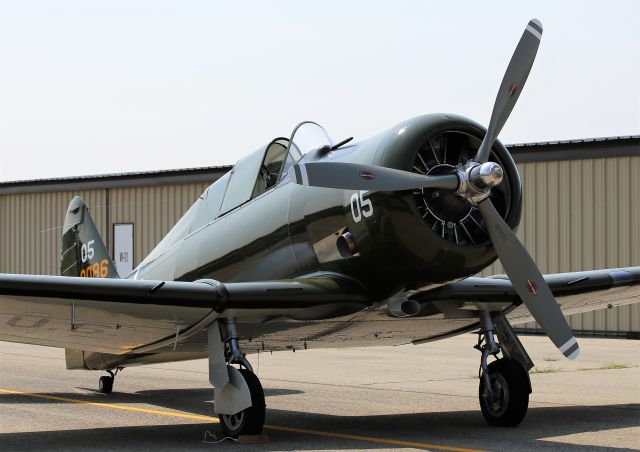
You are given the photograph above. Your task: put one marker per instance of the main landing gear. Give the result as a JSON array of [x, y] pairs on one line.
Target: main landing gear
[[249, 421], [105, 383], [504, 384], [238, 394]]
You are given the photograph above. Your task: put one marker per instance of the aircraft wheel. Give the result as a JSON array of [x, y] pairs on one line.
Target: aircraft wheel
[[105, 384], [251, 420], [510, 400]]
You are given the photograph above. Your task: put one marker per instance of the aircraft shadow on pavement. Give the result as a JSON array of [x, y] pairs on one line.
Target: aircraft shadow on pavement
[[455, 428], [192, 400]]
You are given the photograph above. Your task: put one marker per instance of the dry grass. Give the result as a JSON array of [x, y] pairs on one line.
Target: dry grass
[[608, 366], [543, 370]]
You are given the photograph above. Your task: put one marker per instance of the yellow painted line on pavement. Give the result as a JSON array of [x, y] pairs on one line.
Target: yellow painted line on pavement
[[369, 439], [111, 405]]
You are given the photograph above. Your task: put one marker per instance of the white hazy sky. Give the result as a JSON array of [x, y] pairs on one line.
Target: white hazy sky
[[115, 86]]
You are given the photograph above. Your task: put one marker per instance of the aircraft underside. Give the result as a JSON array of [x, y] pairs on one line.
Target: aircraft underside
[[367, 329]]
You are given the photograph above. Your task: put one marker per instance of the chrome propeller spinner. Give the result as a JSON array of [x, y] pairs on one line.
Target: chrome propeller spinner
[[477, 180]]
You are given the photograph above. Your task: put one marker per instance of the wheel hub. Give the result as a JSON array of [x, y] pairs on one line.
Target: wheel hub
[[233, 421], [498, 398]]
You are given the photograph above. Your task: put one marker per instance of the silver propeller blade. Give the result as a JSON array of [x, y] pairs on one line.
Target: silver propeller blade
[[356, 176], [514, 79], [528, 281]]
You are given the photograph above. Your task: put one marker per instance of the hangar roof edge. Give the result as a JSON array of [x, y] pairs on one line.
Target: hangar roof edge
[[575, 141], [576, 149], [127, 175], [206, 174]]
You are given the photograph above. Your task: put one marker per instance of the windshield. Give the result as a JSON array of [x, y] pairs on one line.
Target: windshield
[[308, 136]]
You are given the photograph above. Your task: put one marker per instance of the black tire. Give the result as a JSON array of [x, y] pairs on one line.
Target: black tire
[[508, 380], [105, 384], [251, 420]]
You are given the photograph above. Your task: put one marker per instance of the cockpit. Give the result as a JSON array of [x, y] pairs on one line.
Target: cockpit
[[268, 166], [253, 175], [276, 162]]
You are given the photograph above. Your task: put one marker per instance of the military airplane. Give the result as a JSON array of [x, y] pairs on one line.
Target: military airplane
[[310, 243]]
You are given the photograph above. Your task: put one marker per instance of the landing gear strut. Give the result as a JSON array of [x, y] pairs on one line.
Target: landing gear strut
[[504, 384], [233, 354], [105, 383]]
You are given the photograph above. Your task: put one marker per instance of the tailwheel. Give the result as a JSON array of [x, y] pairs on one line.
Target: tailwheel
[[105, 383], [249, 421], [506, 403]]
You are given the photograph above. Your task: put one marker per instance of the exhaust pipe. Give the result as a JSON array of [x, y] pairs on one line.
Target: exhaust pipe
[[347, 245], [403, 307]]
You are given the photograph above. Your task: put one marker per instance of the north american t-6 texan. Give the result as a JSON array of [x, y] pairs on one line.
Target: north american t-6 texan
[[310, 243]]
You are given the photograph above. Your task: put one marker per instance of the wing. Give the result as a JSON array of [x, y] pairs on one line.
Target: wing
[[119, 316], [575, 292]]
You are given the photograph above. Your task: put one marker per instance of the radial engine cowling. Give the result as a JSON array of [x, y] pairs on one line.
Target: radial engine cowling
[[433, 235]]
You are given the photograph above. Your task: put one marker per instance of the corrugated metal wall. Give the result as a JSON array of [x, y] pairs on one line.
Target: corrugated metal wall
[[583, 215], [153, 210], [578, 215], [31, 223]]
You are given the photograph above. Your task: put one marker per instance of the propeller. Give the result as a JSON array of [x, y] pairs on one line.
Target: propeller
[[511, 86], [528, 281], [474, 182], [516, 261], [356, 176]]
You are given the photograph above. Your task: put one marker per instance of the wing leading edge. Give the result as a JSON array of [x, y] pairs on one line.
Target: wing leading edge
[[119, 316], [575, 292]]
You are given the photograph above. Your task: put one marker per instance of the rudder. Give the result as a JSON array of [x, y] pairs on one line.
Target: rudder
[[83, 251]]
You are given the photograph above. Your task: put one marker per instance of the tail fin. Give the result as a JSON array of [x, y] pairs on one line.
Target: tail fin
[[83, 251]]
